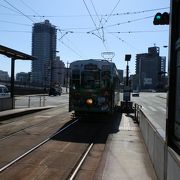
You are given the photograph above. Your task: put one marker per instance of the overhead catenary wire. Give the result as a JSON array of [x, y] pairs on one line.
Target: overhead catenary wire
[[31, 9], [8, 8], [19, 11], [92, 19], [100, 24], [112, 11], [125, 22]]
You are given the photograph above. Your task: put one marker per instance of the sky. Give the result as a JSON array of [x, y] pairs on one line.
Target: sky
[[85, 29]]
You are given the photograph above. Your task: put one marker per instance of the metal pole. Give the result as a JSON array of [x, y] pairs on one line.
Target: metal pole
[[127, 74], [67, 78], [12, 80]]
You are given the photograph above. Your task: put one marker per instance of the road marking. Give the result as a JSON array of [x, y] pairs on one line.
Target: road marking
[[162, 109], [151, 108]]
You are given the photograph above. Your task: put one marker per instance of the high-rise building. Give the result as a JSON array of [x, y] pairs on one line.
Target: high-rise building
[[23, 77], [150, 68], [4, 76], [44, 37], [58, 71]]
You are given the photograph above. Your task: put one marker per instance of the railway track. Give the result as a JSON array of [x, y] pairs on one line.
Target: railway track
[[63, 154], [43, 117], [35, 147]]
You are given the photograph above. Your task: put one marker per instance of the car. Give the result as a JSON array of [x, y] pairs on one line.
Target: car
[[55, 91], [4, 92], [135, 94]]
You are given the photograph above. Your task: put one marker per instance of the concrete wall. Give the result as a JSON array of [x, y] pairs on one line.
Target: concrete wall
[[5, 104], [166, 162]]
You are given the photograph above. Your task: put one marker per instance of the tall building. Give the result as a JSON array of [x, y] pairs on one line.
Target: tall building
[[58, 71], [4, 76], [150, 68], [23, 77], [44, 37]]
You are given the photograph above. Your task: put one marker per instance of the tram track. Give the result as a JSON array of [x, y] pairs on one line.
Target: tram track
[[25, 128], [35, 147], [78, 166], [66, 154], [43, 118]]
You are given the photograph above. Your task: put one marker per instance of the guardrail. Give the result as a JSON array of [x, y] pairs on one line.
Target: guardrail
[[30, 101], [137, 109], [166, 162]]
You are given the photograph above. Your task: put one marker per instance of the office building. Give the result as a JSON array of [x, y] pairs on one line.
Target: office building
[[23, 78], [150, 69], [4, 76], [58, 71], [44, 37]]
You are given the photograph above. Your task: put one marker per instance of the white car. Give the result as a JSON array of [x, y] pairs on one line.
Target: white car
[[4, 92]]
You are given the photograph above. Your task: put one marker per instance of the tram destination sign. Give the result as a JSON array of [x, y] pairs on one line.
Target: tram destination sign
[[90, 66]]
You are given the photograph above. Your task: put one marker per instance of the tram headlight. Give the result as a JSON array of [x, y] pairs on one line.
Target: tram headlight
[[89, 101]]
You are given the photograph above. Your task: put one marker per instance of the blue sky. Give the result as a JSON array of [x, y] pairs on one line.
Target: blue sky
[[127, 28]]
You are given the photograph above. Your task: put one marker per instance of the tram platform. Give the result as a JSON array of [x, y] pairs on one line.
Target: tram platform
[[125, 156]]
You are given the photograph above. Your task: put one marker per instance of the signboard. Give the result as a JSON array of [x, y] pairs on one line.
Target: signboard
[[90, 66]]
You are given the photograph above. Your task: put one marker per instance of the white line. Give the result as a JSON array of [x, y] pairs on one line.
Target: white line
[[151, 108], [162, 109]]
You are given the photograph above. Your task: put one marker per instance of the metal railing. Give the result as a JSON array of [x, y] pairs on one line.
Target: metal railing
[[30, 101]]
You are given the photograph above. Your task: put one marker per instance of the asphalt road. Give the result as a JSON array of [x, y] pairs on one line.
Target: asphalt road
[[154, 107]]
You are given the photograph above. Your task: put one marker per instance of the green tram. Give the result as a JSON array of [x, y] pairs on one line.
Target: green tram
[[94, 86]]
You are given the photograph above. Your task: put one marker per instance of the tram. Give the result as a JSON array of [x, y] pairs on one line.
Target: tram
[[94, 86]]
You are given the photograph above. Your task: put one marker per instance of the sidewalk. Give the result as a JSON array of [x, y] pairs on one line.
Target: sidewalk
[[125, 156]]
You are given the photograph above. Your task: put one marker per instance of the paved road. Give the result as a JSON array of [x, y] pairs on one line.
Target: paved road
[[154, 107]]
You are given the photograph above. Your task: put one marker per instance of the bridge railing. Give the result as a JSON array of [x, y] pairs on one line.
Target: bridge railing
[[30, 101]]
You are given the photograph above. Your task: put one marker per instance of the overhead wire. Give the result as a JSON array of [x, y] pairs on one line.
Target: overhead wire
[[78, 16], [92, 20], [8, 8], [31, 9], [100, 24], [112, 12], [126, 22], [130, 32], [18, 11], [60, 39]]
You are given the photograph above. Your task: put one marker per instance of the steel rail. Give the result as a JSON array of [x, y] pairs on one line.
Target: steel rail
[[35, 147], [21, 130], [80, 163]]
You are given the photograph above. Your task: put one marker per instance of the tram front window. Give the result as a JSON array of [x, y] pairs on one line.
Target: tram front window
[[90, 79], [105, 76], [75, 79]]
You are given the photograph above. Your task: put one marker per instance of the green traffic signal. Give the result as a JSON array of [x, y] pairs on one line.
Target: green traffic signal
[[158, 17], [161, 19]]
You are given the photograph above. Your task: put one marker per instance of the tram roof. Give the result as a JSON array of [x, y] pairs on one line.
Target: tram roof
[[96, 61]]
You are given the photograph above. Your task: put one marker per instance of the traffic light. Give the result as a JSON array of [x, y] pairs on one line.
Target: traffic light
[[161, 19]]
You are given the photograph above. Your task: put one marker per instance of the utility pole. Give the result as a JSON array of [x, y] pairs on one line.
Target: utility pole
[[126, 104], [67, 77]]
